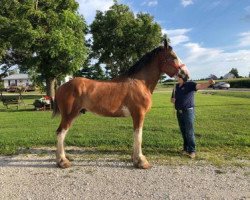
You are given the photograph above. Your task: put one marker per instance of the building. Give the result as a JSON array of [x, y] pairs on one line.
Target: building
[[229, 76], [18, 80]]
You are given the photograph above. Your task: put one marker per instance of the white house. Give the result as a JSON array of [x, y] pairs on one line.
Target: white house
[[17, 80], [229, 76]]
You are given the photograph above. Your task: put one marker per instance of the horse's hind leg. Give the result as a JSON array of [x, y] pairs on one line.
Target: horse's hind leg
[[62, 131], [61, 159]]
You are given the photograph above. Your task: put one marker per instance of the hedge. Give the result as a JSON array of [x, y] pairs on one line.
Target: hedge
[[234, 83], [239, 83]]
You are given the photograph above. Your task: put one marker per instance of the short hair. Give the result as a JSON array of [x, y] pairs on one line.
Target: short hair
[[182, 74]]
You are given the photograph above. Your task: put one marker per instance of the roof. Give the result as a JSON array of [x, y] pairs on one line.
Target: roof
[[229, 75], [16, 77]]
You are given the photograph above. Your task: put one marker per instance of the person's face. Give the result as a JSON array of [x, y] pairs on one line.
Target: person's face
[[180, 80]]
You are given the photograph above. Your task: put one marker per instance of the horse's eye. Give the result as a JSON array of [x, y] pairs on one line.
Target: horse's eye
[[171, 58]]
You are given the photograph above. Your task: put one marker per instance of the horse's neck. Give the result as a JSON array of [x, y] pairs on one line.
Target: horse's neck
[[150, 76]]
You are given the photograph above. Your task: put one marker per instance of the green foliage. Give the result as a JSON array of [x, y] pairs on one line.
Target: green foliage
[[235, 72], [239, 83], [92, 72], [231, 94], [120, 38], [47, 36], [1, 89]]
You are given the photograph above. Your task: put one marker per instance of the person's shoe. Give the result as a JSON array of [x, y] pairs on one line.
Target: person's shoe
[[184, 153], [191, 155]]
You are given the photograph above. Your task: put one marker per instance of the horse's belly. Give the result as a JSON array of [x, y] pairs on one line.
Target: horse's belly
[[121, 112]]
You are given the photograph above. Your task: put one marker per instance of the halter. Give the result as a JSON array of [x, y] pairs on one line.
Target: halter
[[170, 62], [176, 66], [173, 64]]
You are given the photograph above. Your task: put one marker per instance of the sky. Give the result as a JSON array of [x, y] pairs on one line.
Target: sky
[[210, 36]]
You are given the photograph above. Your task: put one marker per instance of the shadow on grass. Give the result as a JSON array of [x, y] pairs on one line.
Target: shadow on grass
[[17, 110], [224, 105], [30, 109], [206, 105], [24, 96]]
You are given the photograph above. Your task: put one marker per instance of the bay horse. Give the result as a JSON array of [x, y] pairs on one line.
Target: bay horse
[[127, 95]]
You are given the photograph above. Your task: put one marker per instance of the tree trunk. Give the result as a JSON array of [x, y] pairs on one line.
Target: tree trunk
[[1, 94], [50, 87]]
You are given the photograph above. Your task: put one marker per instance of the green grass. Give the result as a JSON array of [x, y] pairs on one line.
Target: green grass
[[222, 130], [232, 94]]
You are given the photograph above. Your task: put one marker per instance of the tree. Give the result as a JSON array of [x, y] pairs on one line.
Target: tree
[[1, 90], [234, 71], [91, 71], [47, 36], [120, 38], [212, 76]]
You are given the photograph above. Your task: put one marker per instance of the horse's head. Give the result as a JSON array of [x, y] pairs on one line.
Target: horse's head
[[171, 64]]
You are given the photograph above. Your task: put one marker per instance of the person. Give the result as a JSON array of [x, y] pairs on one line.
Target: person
[[183, 100]]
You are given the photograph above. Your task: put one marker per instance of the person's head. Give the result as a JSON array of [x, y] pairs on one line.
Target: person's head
[[182, 75]]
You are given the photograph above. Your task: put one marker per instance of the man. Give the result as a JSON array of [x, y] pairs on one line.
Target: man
[[183, 99]]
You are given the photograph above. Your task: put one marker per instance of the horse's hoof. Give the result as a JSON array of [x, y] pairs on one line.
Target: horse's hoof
[[145, 166], [64, 164], [142, 164]]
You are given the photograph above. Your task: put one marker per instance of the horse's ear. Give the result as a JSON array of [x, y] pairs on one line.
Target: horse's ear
[[166, 45]]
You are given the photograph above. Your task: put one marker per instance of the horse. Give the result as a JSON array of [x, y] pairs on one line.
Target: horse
[[126, 95]]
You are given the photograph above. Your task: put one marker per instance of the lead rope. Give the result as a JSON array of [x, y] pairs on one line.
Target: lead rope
[[174, 111]]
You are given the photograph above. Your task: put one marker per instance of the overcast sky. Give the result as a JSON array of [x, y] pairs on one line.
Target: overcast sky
[[210, 36]]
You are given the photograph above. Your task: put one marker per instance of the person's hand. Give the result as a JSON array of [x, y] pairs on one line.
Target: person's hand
[[173, 100], [211, 82]]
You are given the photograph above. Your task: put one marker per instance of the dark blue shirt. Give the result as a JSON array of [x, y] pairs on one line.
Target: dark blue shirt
[[184, 95]]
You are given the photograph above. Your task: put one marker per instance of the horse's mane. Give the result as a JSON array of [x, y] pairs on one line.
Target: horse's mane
[[147, 58]]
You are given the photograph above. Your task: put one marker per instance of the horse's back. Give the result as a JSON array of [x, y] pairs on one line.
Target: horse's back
[[108, 98], [73, 87]]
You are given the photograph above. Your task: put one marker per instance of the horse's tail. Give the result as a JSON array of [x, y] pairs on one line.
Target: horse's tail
[[56, 110]]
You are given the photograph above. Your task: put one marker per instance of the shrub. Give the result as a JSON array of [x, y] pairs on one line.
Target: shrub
[[239, 83]]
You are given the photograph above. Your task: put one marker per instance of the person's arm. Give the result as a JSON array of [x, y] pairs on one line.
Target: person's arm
[[173, 96], [172, 100], [202, 86]]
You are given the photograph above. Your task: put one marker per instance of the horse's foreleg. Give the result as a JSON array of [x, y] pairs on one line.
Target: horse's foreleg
[[61, 159], [139, 159]]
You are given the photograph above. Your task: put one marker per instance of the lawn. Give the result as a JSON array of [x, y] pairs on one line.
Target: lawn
[[222, 129]]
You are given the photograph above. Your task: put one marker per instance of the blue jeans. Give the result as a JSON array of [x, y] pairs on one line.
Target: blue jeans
[[186, 124]]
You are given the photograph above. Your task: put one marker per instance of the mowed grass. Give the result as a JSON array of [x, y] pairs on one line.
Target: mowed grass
[[221, 126]]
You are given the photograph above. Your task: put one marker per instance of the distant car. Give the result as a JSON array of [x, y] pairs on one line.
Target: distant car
[[221, 85], [30, 88]]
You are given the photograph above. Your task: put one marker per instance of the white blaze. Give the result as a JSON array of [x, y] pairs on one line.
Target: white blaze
[[184, 68]]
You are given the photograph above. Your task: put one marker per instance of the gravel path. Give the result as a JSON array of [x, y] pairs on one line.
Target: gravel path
[[36, 177]]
